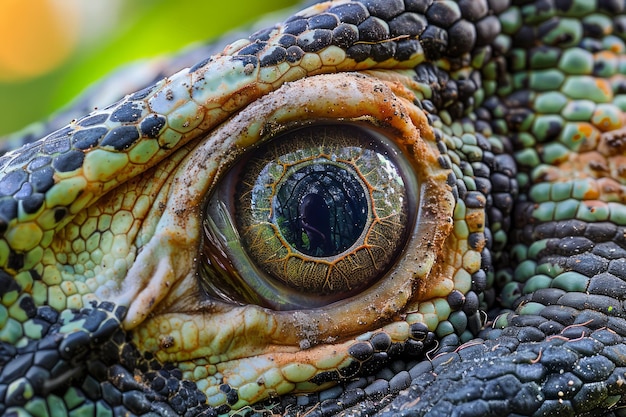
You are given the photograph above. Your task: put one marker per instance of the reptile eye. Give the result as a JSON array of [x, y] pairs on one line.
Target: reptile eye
[[314, 215]]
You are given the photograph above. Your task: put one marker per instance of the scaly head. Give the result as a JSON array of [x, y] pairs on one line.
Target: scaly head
[[326, 198]]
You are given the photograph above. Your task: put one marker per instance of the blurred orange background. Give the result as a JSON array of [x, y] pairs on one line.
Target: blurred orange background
[[50, 50]]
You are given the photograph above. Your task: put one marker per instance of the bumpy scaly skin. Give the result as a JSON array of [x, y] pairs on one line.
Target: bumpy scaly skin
[[511, 118]]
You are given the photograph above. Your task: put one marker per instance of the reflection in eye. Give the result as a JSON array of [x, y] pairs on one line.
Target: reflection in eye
[[313, 216]]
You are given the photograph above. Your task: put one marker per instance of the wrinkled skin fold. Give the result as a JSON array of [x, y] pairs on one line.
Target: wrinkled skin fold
[[145, 270]]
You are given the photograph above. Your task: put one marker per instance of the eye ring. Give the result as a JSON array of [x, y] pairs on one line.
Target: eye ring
[[318, 219]]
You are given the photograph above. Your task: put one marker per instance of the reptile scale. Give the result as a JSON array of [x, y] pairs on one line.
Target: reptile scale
[[375, 207]]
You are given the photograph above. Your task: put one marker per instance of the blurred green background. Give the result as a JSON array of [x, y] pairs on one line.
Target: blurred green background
[[52, 50]]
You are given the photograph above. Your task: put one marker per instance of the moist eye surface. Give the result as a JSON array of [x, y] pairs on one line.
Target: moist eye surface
[[317, 214]]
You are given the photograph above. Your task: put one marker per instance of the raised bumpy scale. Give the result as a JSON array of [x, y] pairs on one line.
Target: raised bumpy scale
[[390, 207]]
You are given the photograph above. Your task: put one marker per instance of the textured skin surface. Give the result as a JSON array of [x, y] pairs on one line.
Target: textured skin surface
[[507, 298]]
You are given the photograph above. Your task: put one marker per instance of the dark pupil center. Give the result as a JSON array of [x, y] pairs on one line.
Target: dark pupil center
[[321, 209], [315, 222]]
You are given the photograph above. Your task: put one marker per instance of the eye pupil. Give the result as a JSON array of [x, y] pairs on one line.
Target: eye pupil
[[320, 208], [315, 222]]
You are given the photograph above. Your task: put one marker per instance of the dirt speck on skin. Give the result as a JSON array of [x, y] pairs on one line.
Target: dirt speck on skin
[[248, 69], [166, 342], [307, 330]]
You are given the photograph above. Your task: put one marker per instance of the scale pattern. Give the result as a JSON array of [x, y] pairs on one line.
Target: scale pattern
[[509, 296]]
